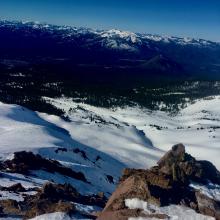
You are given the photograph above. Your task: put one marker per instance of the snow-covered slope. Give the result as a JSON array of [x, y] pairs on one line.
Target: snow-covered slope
[[100, 142], [131, 137], [138, 137], [22, 129]]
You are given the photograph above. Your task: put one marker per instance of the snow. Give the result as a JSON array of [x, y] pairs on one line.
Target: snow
[[136, 204], [22, 129], [121, 34], [9, 179], [107, 140], [128, 137], [86, 209], [143, 136], [211, 190], [54, 216], [173, 211], [122, 141], [4, 195]]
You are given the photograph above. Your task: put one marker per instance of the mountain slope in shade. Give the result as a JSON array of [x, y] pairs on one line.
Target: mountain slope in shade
[[160, 64], [24, 130], [85, 50]]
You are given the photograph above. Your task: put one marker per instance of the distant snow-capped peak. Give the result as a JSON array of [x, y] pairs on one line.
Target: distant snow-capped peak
[[121, 34], [114, 37]]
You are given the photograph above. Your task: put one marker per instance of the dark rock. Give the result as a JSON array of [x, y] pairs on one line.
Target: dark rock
[[208, 206], [83, 153], [10, 207], [94, 200], [60, 149], [184, 168], [110, 179], [24, 162], [51, 198], [123, 214], [209, 172], [15, 188], [98, 158], [56, 192], [43, 207], [1, 212]]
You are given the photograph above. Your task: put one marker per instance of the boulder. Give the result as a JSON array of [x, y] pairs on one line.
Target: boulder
[[175, 155], [15, 188], [165, 184], [10, 207], [44, 206], [185, 168], [127, 189], [208, 206], [51, 198]]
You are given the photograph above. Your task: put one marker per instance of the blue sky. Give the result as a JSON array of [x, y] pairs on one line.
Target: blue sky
[[193, 18]]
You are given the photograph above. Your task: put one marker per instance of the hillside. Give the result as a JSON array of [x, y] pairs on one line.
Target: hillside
[[85, 143]]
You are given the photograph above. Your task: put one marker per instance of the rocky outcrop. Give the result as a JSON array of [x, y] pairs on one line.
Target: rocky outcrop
[[14, 188], [51, 198], [183, 167], [24, 162], [208, 206], [165, 184]]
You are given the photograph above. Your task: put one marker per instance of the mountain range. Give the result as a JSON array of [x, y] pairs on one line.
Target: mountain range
[[108, 55], [79, 107]]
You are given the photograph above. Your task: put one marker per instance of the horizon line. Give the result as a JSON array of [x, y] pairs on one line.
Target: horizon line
[[104, 29]]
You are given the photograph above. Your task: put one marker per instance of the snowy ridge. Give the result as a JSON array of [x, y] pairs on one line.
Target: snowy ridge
[[113, 38], [22, 129], [197, 126]]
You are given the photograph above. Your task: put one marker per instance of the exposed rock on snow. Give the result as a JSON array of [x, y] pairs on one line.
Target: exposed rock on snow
[[24, 162], [100, 149], [51, 198], [165, 184], [14, 188], [183, 167], [25, 130], [208, 206]]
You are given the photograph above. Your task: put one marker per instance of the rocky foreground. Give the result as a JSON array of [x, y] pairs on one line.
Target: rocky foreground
[[170, 182], [178, 180], [49, 198]]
